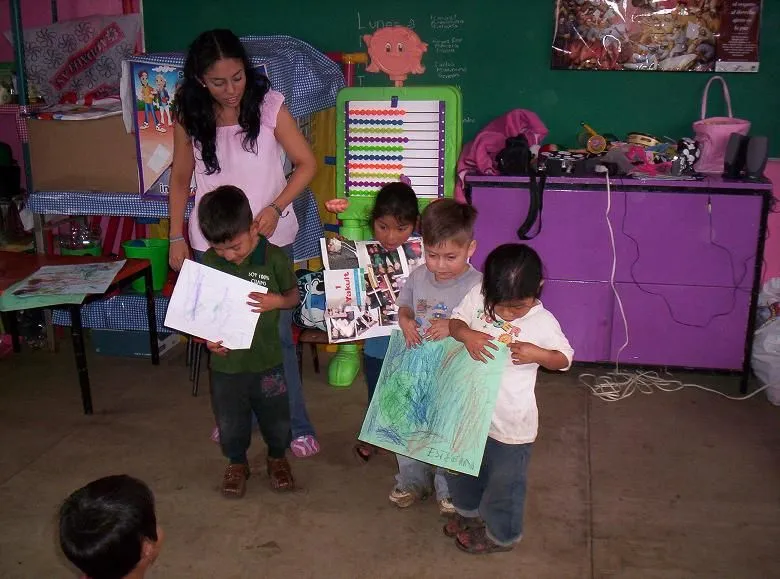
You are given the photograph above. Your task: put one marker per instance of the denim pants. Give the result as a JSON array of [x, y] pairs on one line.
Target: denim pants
[[497, 494], [299, 418], [416, 476], [372, 368], [235, 398]]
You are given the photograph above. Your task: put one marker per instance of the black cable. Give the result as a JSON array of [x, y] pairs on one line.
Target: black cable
[[737, 282]]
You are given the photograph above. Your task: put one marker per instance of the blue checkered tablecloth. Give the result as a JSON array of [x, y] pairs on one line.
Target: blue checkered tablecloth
[[122, 312], [308, 79], [306, 245]]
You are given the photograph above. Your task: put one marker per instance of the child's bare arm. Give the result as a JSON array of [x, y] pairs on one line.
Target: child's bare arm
[[477, 343], [271, 301], [527, 353]]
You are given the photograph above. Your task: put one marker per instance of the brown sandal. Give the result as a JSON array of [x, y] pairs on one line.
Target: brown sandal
[[364, 451], [234, 480], [458, 524], [280, 473], [476, 542]]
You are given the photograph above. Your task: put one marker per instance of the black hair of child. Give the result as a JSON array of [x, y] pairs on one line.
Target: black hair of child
[[513, 271], [397, 200], [223, 214], [103, 526]]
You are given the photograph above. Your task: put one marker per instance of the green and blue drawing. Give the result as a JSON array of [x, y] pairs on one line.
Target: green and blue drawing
[[434, 403]]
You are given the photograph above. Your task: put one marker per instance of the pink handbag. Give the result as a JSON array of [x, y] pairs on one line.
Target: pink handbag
[[713, 133]]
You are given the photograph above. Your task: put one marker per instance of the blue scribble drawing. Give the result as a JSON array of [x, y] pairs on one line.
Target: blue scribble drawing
[[434, 403], [212, 305]]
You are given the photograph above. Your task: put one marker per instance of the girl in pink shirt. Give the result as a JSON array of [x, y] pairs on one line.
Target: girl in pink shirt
[[232, 129]]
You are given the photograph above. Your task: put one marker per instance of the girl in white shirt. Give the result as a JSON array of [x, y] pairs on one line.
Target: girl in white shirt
[[504, 311]]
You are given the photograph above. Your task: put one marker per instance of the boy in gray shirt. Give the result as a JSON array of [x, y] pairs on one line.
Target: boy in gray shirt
[[425, 304]]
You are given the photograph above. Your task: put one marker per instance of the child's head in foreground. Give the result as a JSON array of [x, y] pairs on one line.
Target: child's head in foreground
[[448, 236], [394, 215], [226, 221], [512, 281], [108, 529]]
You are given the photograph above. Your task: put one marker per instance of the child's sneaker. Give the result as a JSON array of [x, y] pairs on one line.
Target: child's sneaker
[[305, 446], [403, 499], [446, 508]]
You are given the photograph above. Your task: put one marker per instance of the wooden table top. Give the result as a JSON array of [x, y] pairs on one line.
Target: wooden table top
[[14, 267]]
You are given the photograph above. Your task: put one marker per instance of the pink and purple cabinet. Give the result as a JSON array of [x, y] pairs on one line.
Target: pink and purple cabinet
[[688, 260]]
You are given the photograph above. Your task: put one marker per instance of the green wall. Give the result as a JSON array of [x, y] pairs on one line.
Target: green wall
[[498, 52]]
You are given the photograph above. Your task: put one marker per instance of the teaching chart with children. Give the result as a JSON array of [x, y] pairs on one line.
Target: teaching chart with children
[[434, 403], [212, 305], [154, 87], [362, 282]]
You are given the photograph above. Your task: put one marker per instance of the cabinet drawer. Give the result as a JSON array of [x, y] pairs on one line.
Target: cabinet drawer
[[574, 242], [700, 327], [672, 238], [584, 310]]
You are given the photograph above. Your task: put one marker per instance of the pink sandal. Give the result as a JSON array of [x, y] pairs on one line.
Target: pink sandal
[[305, 446]]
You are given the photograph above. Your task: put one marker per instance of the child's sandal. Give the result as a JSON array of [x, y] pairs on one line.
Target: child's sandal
[[458, 524], [476, 542], [364, 451], [234, 481], [280, 474]]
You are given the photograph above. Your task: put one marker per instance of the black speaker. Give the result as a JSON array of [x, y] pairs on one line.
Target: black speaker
[[756, 157], [736, 152]]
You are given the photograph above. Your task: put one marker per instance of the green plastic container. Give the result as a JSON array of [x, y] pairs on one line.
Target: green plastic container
[[156, 251], [95, 250]]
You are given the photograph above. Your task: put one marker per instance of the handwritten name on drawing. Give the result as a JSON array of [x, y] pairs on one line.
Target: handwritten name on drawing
[[449, 458], [348, 287]]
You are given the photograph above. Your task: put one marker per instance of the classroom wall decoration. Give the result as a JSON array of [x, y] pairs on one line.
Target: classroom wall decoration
[[657, 35], [434, 403]]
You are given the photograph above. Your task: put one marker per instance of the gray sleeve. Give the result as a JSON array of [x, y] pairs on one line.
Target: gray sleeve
[[405, 296]]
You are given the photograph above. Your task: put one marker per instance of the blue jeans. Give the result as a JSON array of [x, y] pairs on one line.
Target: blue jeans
[[371, 368], [416, 476], [299, 418], [497, 494], [236, 398]]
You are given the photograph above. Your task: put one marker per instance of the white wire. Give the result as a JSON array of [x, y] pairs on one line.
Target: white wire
[[619, 384]]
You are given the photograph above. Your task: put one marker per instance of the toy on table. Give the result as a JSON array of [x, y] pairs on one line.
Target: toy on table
[[410, 134], [594, 142], [397, 51]]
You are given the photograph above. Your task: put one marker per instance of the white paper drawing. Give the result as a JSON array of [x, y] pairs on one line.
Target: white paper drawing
[[86, 278], [211, 304]]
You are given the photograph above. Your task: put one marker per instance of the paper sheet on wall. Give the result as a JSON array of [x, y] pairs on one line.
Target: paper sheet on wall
[[434, 403], [212, 305]]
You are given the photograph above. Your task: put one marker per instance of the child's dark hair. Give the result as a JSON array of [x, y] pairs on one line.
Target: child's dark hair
[[104, 524], [513, 271], [223, 214], [397, 200], [195, 105], [447, 220]]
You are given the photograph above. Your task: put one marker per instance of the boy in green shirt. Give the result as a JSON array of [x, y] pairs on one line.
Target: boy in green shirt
[[249, 381]]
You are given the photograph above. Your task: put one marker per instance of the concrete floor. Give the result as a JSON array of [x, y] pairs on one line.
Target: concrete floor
[[675, 485]]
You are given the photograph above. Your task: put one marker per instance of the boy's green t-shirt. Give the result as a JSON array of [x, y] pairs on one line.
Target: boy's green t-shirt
[[270, 267]]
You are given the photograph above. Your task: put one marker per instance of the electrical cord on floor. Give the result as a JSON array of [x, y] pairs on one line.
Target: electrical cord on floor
[[620, 384]]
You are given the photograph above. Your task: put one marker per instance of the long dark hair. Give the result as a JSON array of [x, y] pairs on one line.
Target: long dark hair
[[513, 271], [195, 105]]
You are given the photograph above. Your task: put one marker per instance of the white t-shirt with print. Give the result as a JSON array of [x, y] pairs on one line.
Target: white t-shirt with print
[[515, 418]]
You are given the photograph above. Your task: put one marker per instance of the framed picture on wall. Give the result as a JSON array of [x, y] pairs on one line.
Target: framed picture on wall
[[154, 87], [657, 35]]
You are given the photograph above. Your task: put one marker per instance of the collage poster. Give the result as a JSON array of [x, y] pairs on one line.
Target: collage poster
[[657, 35], [362, 283]]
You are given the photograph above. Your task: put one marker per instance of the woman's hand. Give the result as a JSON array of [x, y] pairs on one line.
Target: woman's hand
[[267, 220], [177, 253]]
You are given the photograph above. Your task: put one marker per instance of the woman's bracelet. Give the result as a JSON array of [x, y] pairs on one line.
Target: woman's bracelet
[[276, 208], [175, 239]]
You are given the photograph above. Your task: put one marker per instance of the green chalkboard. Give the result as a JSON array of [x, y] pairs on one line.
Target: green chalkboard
[[498, 53]]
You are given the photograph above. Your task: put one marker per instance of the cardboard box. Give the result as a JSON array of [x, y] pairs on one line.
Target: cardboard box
[[91, 155], [132, 344]]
